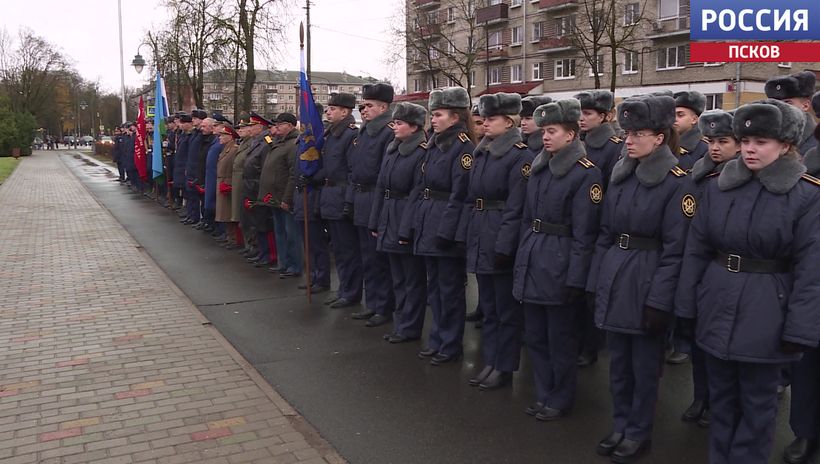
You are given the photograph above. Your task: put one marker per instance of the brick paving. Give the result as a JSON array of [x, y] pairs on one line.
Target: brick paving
[[104, 360]]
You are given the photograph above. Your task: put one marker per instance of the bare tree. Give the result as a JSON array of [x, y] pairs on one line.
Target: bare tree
[[29, 70]]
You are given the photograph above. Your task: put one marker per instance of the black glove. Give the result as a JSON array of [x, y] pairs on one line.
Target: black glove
[[444, 244], [685, 329], [792, 347], [655, 321], [347, 210], [574, 294]]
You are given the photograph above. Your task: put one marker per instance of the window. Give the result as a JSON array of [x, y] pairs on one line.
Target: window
[[536, 71], [632, 12], [494, 2], [714, 101], [451, 48], [597, 66], [452, 82], [495, 76], [494, 39], [333, 88], [564, 25], [471, 8], [537, 31], [432, 17], [432, 53], [516, 75], [431, 82], [565, 69], [668, 9], [451, 14], [598, 20], [416, 85], [672, 57], [472, 78], [517, 35], [630, 62], [784, 64], [515, 3]]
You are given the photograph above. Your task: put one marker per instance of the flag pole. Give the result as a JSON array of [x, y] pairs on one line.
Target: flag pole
[[305, 193]]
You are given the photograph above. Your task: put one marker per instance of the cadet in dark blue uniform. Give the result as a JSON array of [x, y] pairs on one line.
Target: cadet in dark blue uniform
[[716, 126], [180, 160], [560, 226], [340, 134], [531, 134], [635, 268], [366, 160], [688, 107], [796, 90], [750, 278], [603, 147], [476, 315], [498, 181], [399, 174], [438, 205], [192, 167]]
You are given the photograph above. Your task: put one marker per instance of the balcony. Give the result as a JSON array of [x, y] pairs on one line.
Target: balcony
[[429, 30], [427, 4], [662, 29], [495, 53], [492, 14], [554, 44], [555, 5]]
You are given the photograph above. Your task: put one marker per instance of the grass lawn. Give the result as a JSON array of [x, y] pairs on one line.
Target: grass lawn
[[7, 165]]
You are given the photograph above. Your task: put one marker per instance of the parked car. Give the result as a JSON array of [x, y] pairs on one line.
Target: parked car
[[106, 140], [87, 139]]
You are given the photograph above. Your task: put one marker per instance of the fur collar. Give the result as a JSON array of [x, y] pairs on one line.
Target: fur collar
[[778, 177], [598, 137], [339, 127], [689, 140], [535, 141], [375, 126], [812, 161], [445, 139], [808, 128], [407, 146], [650, 171], [500, 145], [705, 166], [562, 161]]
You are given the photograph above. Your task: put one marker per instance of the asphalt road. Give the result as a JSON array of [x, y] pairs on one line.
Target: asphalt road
[[375, 402]]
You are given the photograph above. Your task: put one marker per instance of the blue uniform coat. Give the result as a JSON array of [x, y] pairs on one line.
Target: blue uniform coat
[[181, 159], [365, 161], [210, 174], [336, 167], [192, 161], [603, 148]]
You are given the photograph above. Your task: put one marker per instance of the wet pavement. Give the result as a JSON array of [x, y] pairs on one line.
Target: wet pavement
[[375, 402]]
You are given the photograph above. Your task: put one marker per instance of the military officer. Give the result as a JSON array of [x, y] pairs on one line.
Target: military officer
[[497, 184], [531, 134], [210, 148], [796, 90], [688, 107], [399, 174], [224, 186], [560, 219], [437, 209], [476, 315], [749, 278], [117, 154], [238, 211], [635, 268], [180, 160], [192, 167], [340, 135], [260, 217], [366, 160]]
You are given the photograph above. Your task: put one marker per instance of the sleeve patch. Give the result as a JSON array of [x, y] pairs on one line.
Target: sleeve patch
[[811, 179], [463, 137], [585, 162], [689, 205], [467, 161], [525, 170], [596, 193], [678, 172]]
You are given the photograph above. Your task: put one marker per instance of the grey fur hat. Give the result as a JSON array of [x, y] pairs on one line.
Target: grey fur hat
[[558, 112], [449, 98], [499, 104], [662, 93], [529, 104], [380, 91], [815, 104], [345, 100], [410, 113], [650, 112], [691, 99], [474, 111], [716, 123], [771, 119], [598, 100], [796, 85]]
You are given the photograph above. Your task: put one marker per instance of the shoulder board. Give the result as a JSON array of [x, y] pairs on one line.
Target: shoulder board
[[520, 145], [712, 174], [678, 172], [352, 126], [811, 179], [423, 145], [615, 139], [683, 151], [268, 139], [463, 137], [391, 124], [704, 140], [585, 162]]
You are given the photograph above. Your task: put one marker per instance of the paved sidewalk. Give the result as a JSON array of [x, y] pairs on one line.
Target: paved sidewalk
[[104, 360]]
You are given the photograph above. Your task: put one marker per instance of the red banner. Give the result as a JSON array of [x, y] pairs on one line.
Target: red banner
[[139, 143], [754, 51]]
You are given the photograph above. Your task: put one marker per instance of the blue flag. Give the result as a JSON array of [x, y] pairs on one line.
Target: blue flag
[[311, 137], [160, 113]]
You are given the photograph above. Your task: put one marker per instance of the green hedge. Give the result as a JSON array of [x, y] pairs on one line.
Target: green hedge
[[16, 131]]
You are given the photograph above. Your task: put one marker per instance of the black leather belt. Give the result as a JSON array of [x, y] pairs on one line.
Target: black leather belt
[[428, 194], [539, 226], [363, 188], [487, 205], [631, 242], [334, 183], [737, 263], [394, 194]]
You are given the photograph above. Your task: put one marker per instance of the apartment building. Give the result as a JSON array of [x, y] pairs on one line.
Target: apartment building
[[549, 47]]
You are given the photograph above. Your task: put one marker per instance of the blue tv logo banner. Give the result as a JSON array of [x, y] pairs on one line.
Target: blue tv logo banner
[[755, 20]]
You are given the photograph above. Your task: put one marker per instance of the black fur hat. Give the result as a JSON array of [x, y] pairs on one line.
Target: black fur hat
[[410, 113], [769, 118], [185, 117], [381, 92], [716, 123], [345, 100], [649, 112], [529, 104], [499, 104], [450, 98], [598, 100], [797, 85], [199, 114], [691, 99], [558, 112], [815, 104]]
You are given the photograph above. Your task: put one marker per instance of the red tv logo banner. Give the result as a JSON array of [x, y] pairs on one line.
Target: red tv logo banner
[[754, 51]]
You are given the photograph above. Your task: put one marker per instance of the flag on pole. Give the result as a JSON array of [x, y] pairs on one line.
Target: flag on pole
[[160, 113], [139, 143], [311, 137]]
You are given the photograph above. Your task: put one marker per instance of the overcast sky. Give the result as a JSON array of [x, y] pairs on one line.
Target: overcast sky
[[348, 35]]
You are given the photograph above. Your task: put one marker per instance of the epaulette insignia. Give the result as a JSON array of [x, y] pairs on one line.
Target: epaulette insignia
[[712, 174], [585, 162], [423, 145], [525, 170], [463, 137], [520, 145], [811, 179], [268, 139], [683, 151], [704, 140], [467, 161], [678, 172], [391, 124], [615, 139], [353, 126]]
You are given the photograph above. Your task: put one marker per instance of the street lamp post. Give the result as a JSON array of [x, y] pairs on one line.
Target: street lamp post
[[122, 64]]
